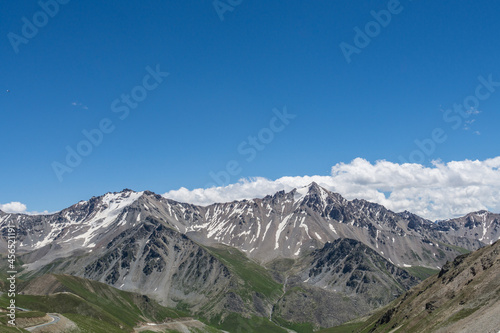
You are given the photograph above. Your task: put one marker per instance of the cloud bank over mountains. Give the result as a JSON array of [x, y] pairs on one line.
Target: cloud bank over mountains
[[442, 191]]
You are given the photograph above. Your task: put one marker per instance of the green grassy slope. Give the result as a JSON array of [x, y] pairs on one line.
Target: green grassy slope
[[254, 276], [253, 279], [96, 307], [421, 272]]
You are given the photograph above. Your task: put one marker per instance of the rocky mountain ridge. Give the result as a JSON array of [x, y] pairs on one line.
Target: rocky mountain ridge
[[285, 225]]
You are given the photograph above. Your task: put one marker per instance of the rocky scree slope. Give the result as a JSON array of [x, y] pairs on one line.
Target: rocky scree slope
[[463, 297]]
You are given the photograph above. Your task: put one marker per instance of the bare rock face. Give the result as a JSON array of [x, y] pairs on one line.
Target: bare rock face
[[351, 267], [159, 262], [340, 282], [482, 225]]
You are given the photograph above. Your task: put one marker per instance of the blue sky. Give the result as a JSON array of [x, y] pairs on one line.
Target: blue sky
[[225, 79]]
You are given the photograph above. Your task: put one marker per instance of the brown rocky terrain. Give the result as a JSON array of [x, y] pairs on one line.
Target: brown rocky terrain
[[463, 297]]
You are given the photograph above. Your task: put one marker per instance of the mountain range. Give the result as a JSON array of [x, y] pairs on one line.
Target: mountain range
[[307, 258]]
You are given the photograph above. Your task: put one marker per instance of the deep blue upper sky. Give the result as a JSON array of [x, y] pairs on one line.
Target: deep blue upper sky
[[225, 79]]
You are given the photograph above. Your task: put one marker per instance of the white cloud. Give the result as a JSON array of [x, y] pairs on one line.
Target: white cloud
[[16, 207], [13, 207], [442, 191]]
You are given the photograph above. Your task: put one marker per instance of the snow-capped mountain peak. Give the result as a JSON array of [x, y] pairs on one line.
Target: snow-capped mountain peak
[[286, 224]]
